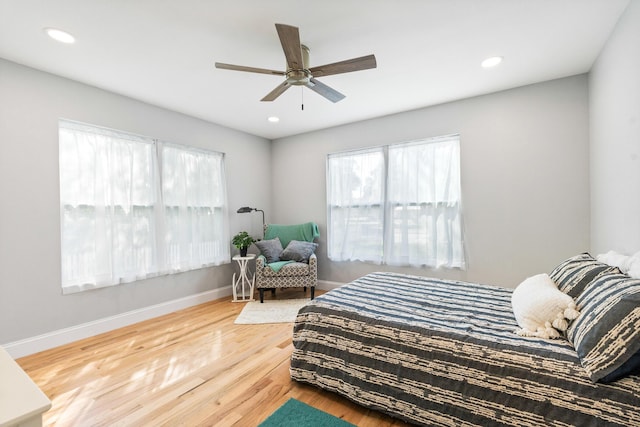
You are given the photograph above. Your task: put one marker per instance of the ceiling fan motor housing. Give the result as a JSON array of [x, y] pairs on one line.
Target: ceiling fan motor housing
[[303, 76]]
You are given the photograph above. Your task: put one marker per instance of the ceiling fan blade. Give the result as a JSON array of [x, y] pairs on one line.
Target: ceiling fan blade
[[277, 91], [248, 69], [355, 64], [290, 40], [324, 90]]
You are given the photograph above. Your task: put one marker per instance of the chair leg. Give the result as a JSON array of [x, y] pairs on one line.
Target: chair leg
[[261, 295], [273, 291], [304, 289], [313, 291]]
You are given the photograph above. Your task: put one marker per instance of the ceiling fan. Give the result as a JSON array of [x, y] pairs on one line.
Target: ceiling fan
[[298, 72]]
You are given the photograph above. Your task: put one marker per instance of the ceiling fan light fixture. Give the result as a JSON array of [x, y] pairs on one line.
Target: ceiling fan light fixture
[[492, 61], [59, 35]]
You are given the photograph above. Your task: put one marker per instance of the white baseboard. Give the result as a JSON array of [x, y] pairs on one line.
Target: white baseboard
[[326, 285], [53, 339]]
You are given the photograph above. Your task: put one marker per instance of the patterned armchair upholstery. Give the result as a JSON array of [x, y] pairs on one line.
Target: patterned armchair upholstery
[[293, 274]]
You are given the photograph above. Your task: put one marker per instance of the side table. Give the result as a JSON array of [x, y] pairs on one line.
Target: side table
[[238, 285]]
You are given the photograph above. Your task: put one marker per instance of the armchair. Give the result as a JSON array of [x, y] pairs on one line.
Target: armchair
[[294, 271]]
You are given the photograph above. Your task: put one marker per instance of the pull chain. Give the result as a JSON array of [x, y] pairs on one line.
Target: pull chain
[[302, 97]]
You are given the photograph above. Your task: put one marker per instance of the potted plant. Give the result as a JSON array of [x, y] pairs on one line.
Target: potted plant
[[242, 241]]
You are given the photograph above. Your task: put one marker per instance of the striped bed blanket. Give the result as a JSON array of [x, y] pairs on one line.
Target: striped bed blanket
[[443, 352]]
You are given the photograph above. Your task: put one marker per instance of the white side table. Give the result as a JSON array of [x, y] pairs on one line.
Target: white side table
[[238, 285]]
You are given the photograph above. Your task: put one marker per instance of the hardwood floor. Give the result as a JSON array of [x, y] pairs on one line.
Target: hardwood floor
[[194, 367]]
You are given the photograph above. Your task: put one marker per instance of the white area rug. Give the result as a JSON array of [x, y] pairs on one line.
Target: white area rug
[[271, 311]]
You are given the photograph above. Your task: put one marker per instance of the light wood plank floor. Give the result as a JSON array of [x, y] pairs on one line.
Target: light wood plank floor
[[194, 367]]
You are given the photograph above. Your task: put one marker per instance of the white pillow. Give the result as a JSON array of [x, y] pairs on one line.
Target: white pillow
[[629, 265], [541, 309], [632, 266], [614, 259]]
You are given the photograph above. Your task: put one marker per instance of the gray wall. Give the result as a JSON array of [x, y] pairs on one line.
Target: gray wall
[[31, 102], [525, 178], [614, 101]]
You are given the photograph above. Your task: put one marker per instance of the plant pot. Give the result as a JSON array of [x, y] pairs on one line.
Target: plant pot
[[243, 251]]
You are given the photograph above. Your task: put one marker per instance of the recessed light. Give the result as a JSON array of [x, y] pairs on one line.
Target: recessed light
[[59, 35], [273, 119], [491, 62]]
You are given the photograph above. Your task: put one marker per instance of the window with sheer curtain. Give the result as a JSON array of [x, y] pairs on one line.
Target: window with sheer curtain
[[194, 207], [397, 204], [132, 207]]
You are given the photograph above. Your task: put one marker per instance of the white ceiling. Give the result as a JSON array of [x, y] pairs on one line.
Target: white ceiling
[[428, 51]]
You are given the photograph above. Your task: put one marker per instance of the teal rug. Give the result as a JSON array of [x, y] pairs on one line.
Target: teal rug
[[297, 414]]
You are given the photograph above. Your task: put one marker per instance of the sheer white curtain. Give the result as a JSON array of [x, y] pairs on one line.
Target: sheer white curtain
[[107, 198], [194, 196], [397, 204], [355, 197], [124, 219], [423, 204]]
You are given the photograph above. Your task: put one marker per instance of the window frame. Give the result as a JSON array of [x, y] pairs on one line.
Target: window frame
[[155, 216], [339, 250]]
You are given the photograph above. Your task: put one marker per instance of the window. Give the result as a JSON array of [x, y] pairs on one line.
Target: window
[[194, 206], [397, 204], [133, 207]]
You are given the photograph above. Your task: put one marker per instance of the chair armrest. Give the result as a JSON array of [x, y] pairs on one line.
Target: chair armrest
[[313, 263], [261, 262]]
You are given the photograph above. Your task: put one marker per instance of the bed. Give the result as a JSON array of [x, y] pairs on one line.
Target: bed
[[443, 352]]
